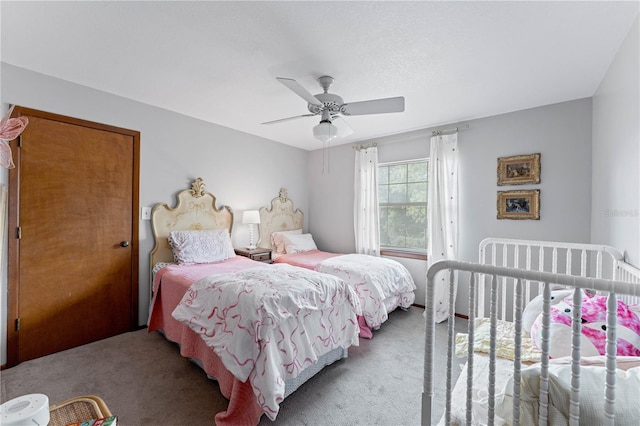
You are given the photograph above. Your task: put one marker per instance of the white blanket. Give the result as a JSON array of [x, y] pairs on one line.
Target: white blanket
[[592, 379], [376, 280], [269, 323]]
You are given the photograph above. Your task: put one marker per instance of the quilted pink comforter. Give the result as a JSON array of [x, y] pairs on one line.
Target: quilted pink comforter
[[267, 323], [381, 284]]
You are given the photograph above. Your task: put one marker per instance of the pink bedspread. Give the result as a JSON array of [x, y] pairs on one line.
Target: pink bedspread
[[176, 280], [381, 284], [293, 327]]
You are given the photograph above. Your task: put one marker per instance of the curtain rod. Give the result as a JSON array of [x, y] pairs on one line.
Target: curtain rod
[[360, 147], [407, 136], [448, 131]]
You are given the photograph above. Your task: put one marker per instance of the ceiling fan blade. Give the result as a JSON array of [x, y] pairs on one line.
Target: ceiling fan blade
[[376, 106], [288, 118], [299, 90], [343, 127]]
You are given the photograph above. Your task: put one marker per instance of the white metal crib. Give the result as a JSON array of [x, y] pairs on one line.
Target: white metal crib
[[518, 278], [578, 259]]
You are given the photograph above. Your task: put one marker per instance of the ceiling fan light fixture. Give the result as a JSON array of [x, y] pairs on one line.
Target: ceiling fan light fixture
[[331, 107], [325, 131]]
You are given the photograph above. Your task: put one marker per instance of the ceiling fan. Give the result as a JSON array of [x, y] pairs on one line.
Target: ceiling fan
[[330, 107]]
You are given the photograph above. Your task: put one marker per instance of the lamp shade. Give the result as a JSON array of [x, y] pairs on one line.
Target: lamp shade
[[251, 216], [325, 131]]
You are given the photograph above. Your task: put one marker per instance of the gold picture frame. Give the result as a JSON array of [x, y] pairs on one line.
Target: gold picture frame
[[519, 204], [519, 169]]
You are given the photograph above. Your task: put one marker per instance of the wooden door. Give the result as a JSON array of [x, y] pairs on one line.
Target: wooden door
[[73, 257]]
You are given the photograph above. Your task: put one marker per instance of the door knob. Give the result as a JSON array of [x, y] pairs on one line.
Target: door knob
[[124, 243]]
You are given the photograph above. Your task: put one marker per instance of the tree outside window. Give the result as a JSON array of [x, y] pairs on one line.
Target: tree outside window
[[402, 200]]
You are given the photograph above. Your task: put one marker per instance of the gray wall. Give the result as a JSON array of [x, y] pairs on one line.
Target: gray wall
[[615, 218], [560, 132], [241, 170]]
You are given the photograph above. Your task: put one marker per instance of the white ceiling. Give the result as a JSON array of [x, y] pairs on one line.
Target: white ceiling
[[217, 61]]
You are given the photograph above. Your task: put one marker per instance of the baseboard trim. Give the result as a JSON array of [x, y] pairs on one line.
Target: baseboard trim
[[457, 315]]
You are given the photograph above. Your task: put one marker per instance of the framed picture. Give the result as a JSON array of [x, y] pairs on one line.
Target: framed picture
[[519, 204], [519, 169]]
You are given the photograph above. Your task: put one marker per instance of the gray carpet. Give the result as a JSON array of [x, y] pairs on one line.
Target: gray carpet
[[144, 381]]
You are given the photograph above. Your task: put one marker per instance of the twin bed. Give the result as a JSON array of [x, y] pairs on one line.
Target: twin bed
[[260, 330], [381, 284], [271, 327], [553, 337]]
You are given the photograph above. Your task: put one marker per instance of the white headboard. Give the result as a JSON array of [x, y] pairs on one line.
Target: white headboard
[[195, 209], [280, 217]]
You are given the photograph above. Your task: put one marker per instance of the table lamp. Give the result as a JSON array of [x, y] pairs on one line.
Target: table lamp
[[251, 218]]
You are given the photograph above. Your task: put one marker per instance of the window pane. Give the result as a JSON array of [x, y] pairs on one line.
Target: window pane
[[416, 216], [398, 193], [398, 173], [416, 227], [416, 241], [383, 194], [383, 175], [398, 241], [384, 234], [417, 192], [396, 226], [418, 172]]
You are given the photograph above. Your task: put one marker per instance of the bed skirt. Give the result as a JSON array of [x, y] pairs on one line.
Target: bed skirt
[[243, 407]]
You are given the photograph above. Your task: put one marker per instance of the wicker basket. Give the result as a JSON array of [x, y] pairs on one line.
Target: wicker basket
[[78, 409]]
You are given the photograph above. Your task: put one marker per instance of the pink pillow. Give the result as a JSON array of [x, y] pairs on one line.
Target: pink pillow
[[294, 243], [277, 240], [594, 316]]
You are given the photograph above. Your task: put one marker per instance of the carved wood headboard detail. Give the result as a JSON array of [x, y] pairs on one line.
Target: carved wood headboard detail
[[195, 209], [280, 217]]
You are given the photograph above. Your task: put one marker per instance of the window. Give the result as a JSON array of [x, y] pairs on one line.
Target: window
[[402, 200]]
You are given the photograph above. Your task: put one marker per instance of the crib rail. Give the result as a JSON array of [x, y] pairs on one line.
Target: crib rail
[[585, 260], [626, 272], [612, 288]]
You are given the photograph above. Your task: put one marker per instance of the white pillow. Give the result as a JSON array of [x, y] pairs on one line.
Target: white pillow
[[206, 246], [277, 241], [294, 243]]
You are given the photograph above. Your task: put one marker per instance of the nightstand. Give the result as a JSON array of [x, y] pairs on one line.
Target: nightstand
[[259, 254]]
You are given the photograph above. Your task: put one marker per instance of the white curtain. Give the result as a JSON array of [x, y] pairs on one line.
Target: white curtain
[[442, 214], [365, 207]]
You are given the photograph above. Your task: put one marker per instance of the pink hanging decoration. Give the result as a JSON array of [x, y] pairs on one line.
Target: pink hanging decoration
[[10, 128]]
